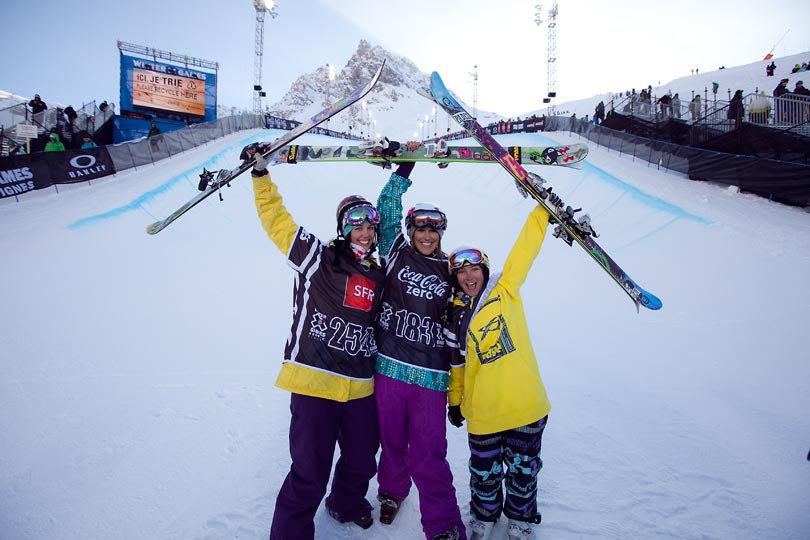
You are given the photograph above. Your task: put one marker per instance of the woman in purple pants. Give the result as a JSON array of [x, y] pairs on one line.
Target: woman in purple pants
[[413, 369]]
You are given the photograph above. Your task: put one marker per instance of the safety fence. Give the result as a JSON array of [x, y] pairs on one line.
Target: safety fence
[[22, 173], [707, 119], [777, 180]]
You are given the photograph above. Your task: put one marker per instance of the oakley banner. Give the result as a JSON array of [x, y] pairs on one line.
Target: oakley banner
[[19, 174]]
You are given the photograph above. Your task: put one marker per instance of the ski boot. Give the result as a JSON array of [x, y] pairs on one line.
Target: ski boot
[[364, 522], [479, 530], [389, 507], [522, 530], [452, 534]]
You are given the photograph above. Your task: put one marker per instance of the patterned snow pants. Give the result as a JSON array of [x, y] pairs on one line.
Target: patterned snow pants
[[512, 458]]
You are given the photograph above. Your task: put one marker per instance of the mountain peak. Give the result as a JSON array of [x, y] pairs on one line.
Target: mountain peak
[[311, 92]]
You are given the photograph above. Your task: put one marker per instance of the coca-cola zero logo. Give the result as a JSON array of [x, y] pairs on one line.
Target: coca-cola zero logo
[[422, 286]]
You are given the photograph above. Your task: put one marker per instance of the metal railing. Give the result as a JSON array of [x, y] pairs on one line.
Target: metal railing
[[713, 118], [88, 119], [652, 110]]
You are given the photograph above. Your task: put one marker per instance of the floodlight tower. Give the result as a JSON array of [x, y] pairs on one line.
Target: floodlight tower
[[262, 7], [551, 68], [538, 20], [474, 76]]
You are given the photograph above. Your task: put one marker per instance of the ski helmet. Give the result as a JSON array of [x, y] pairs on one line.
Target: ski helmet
[[467, 256], [425, 215], [353, 211]]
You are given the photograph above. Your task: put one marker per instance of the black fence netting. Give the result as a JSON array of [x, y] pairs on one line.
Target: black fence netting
[[27, 172], [782, 181]]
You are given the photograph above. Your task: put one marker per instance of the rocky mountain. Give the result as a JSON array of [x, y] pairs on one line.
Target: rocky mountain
[[393, 108]]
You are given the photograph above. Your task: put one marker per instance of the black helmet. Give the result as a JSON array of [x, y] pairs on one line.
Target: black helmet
[[345, 222]]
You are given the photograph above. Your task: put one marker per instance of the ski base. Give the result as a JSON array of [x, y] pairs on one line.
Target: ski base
[[567, 228], [563, 156]]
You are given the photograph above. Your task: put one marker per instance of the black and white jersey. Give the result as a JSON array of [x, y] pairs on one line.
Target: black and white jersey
[[333, 309], [411, 321]]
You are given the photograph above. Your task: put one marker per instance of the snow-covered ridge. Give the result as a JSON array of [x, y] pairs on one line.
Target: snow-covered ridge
[[394, 103]]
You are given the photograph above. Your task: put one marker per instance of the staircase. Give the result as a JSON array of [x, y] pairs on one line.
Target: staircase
[[89, 119]]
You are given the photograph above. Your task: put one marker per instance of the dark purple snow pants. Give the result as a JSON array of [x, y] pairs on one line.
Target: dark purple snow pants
[[316, 425]]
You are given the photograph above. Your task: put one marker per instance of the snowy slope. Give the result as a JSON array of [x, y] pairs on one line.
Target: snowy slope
[[137, 398]]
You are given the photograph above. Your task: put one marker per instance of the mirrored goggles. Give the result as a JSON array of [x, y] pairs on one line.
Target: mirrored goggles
[[360, 214], [465, 257], [429, 218]]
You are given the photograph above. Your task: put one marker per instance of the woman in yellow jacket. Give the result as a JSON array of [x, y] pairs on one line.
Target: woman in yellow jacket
[[501, 394]]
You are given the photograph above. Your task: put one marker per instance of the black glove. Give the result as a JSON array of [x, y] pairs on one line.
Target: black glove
[[404, 169], [392, 149], [454, 415]]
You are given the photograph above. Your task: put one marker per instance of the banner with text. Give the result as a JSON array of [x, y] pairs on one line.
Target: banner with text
[[22, 173], [170, 91]]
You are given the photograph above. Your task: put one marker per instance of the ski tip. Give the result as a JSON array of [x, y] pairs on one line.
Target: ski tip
[[424, 92], [650, 301], [376, 76], [154, 228]]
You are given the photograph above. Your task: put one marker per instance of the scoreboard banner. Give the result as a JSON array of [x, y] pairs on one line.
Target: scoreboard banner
[[148, 87]]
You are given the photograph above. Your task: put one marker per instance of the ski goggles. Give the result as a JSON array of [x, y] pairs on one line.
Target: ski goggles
[[360, 214], [429, 218], [465, 257]]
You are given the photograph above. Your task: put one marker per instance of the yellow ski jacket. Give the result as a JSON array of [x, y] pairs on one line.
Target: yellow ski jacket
[[501, 388], [305, 375]]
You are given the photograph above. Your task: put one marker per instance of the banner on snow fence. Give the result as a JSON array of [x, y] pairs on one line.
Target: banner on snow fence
[[22, 173]]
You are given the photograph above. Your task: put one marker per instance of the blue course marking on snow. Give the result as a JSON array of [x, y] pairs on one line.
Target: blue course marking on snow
[[137, 203], [634, 192], [646, 198], [646, 236]]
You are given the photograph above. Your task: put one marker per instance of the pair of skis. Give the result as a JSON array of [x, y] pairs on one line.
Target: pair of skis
[[567, 227], [563, 156]]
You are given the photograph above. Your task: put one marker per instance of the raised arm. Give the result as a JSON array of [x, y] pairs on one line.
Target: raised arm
[[276, 220], [389, 205], [525, 249]]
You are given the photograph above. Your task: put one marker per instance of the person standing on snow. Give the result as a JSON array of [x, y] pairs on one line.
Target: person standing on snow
[[328, 361], [413, 367], [502, 396]]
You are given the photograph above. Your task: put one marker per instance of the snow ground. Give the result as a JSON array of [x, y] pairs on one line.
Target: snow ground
[[137, 391]]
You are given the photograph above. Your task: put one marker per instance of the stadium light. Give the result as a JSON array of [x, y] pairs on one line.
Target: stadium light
[[262, 7]]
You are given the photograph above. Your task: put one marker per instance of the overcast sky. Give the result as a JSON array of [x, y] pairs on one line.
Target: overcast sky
[[66, 50]]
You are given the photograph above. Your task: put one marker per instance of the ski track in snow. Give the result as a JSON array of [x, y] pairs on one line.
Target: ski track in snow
[[147, 407]]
